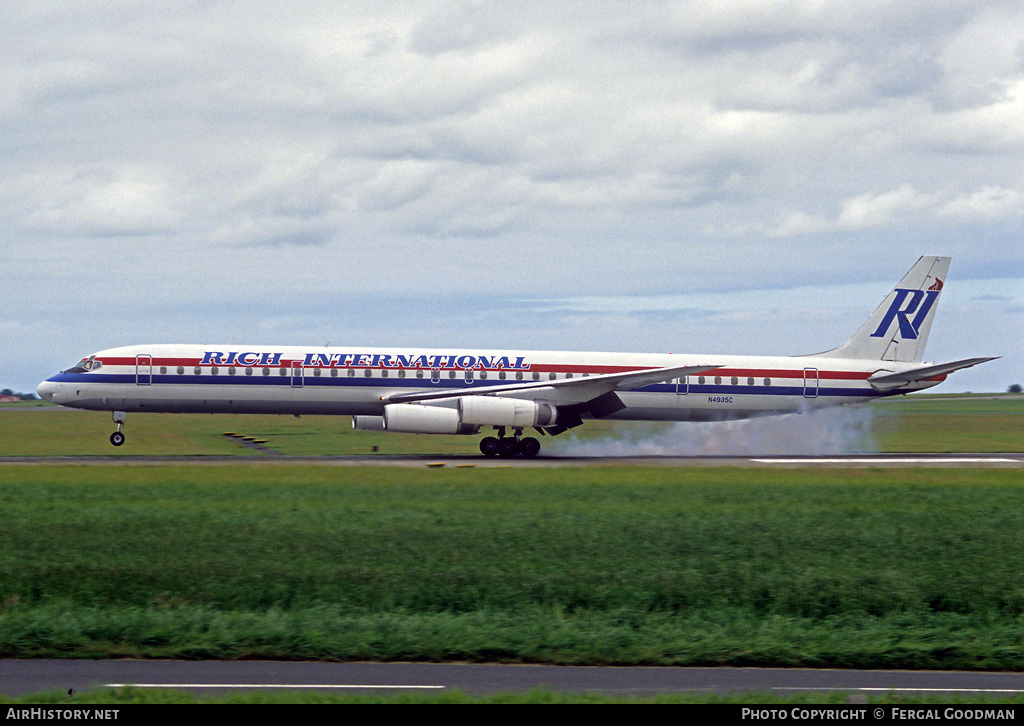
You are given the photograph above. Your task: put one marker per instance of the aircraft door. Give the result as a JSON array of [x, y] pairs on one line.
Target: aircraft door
[[143, 369], [810, 382], [682, 386], [297, 374]]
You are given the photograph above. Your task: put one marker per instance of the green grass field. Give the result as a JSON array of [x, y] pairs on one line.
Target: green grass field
[[906, 569], [950, 423], [263, 558]]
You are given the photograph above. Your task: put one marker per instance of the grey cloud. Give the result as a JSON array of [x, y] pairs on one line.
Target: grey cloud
[[501, 150]]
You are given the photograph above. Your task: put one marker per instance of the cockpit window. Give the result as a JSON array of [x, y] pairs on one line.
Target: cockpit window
[[85, 365]]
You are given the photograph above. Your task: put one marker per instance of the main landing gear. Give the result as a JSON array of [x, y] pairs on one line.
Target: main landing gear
[[117, 438], [509, 446]]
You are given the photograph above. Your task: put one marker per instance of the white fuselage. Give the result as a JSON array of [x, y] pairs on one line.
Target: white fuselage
[[358, 381]]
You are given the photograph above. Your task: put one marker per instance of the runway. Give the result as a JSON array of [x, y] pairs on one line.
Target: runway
[[21, 677], [1011, 460]]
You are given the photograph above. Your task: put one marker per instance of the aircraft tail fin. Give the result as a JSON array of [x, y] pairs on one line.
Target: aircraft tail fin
[[899, 327]]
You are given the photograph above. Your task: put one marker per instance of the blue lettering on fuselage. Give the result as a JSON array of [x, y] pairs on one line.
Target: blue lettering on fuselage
[[317, 360], [368, 360]]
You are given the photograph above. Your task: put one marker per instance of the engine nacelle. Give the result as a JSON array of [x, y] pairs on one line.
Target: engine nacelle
[[410, 418], [368, 423], [511, 412]]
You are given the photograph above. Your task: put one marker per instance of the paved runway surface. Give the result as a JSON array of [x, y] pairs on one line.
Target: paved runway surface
[[20, 677], [842, 460]]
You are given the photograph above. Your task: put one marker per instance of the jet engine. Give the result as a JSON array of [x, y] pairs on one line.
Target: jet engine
[[511, 412], [410, 418], [469, 414], [368, 423]]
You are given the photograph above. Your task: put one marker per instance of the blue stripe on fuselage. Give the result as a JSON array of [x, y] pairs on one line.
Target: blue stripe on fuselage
[[459, 383]]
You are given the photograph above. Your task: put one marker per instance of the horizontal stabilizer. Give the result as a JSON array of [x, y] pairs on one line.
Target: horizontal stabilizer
[[890, 381]]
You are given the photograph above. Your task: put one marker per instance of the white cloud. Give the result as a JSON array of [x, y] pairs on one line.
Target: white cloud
[[988, 203], [98, 201], [906, 204], [872, 210]]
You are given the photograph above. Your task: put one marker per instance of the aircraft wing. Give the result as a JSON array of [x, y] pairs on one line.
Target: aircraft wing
[[890, 381], [566, 390]]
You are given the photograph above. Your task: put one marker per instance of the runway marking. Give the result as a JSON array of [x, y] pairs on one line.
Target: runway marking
[[895, 688], [264, 685], [893, 460]]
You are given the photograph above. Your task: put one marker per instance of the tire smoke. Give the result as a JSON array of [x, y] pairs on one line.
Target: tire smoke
[[824, 432]]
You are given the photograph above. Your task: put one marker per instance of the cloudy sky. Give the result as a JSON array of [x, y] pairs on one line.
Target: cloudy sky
[[732, 176]]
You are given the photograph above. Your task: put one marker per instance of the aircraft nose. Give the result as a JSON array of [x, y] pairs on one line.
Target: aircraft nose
[[47, 390]]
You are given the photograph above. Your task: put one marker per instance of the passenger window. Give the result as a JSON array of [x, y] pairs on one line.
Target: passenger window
[[750, 381], [197, 370], [248, 371], [767, 381], [266, 371], [181, 370]]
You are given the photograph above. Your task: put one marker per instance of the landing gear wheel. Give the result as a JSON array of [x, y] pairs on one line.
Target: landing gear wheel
[[118, 417], [489, 446], [508, 447], [529, 447]]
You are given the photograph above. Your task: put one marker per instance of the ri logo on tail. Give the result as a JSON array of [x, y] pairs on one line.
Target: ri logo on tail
[[905, 304]]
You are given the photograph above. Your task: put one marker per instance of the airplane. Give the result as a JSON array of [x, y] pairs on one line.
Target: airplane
[[441, 391]]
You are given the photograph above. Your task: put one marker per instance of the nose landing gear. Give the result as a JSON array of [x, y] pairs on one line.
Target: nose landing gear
[[117, 438]]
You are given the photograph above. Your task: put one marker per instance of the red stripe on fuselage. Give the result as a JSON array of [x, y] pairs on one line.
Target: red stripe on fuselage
[[536, 367]]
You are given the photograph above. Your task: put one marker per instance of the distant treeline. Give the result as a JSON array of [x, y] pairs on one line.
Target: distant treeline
[[8, 393]]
